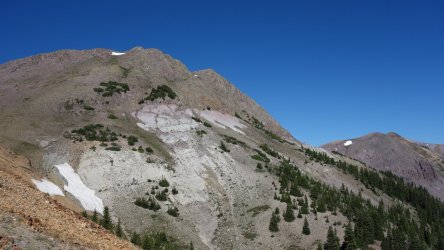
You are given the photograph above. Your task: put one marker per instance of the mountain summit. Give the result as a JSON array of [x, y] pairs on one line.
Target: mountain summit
[[420, 163]]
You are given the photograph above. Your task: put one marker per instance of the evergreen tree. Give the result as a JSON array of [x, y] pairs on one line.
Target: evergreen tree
[[136, 239], [321, 206], [191, 245], [84, 214], [387, 242], [289, 214], [332, 240], [94, 217], [399, 239], [119, 231], [304, 206], [273, 227], [349, 238], [276, 211], [306, 228], [299, 214], [319, 246], [106, 221]]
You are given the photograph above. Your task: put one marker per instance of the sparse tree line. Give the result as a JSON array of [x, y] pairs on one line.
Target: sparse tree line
[[260, 126], [395, 226], [147, 241], [108, 89], [151, 203], [106, 137]]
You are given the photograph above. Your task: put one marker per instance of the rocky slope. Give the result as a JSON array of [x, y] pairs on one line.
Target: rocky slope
[[106, 129], [420, 163], [29, 219]]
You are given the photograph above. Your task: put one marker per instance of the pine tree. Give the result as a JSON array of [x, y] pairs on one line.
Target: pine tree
[[299, 214], [349, 238], [273, 227], [321, 206], [106, 221], [306, 228], [320, 246], [94, 217], [332, 240], [289, 214], [84, 214], [119, 231], [136, 239], [191, 245], [304, 206]]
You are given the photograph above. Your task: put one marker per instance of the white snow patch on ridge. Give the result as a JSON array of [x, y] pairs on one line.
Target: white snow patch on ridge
[[48, 187], [75, 186], [117, 53], [223, 120], [348, 143]]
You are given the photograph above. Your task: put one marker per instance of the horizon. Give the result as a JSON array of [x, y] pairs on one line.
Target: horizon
[[334, 71]]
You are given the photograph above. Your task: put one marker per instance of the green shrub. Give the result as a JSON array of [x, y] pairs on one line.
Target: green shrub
[[201, 132], [87, 107], [132, 140], [112, 116], [196, 119], [164, 183], [206, 124], [270, 151], [260, 156], [174, 211], [161, 91], [161, 196], [149, 203], [149, 150], [223, 147], [109, 88], [113, 148], [234, 141], [140, 149]]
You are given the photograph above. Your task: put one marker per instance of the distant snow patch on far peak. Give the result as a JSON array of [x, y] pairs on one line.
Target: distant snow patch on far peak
[[223, 120], [75, 186], [48, 187], [117, 53], [348, 143]]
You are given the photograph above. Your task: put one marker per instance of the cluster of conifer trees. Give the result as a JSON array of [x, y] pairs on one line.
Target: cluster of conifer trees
[[396, 226]]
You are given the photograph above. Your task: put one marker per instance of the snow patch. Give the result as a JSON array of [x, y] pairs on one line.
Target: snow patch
[[223, 120], [75, 186], [348, 143], [48, 187], [117, 53]]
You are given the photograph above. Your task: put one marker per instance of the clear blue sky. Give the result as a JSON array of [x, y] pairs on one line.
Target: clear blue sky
[[325, 70]]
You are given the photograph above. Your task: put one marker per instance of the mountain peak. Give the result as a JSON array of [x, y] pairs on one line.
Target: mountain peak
[[392, 152]]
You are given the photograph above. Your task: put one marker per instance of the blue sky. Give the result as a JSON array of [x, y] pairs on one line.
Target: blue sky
[[325, 70]]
